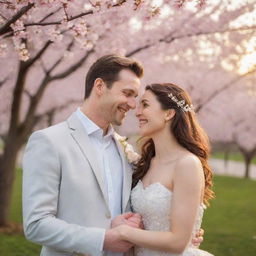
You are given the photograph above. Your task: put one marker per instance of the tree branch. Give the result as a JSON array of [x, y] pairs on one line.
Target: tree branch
[[28, 122], [73, 68], [226, 86], [58, 22], [70, 45], [3, 16], [3, 81], [50, 14], [171, 38], [6, 27], [31, 61], [161, 40]]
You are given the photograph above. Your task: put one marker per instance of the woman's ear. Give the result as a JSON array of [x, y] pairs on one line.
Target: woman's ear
[[170, 113], [99, 86]]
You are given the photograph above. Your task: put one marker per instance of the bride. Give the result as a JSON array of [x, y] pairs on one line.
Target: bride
[[172, 180]]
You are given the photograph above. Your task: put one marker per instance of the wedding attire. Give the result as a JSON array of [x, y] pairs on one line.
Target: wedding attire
[[71, 190], [154, 204]]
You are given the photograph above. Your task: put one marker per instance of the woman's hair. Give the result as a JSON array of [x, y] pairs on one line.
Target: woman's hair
[[184, 127]]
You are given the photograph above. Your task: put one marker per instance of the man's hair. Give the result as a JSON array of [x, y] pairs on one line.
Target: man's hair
[[107, 68]]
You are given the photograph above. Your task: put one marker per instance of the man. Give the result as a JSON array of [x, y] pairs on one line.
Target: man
[[76, 178]]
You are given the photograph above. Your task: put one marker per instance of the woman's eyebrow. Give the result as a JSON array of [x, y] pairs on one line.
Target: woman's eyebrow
[[144, 100]]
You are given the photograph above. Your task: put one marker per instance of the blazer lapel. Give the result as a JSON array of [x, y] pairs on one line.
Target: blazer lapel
[[127, 175], [83, 141]]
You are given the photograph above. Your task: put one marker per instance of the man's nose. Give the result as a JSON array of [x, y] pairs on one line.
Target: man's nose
[[132, 103]]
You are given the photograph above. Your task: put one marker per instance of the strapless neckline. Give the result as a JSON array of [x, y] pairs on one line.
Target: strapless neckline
[[202, 205], [154, 184]]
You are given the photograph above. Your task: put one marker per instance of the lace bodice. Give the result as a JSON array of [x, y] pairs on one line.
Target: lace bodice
[[154, 205]]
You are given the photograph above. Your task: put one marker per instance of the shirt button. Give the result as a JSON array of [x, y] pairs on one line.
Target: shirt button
[[108, 215]]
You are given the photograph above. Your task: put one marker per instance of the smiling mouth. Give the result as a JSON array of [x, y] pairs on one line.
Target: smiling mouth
[[142, 121], [122, 110]]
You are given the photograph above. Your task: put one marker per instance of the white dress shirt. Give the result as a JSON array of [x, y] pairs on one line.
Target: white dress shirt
[[111, 164]]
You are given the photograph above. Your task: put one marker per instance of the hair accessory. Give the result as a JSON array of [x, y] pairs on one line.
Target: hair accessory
[[181, 103]]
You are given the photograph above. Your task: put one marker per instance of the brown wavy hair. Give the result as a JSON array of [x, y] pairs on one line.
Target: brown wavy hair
[[186, 130]]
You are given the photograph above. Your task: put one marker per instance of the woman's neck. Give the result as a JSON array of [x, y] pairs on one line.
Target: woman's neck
[[167, 148]]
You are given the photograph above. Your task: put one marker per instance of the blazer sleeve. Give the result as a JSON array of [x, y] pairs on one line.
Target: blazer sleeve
[[41, 182]]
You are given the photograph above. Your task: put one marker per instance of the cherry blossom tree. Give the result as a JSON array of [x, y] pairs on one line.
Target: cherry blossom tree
[[234, 119], [45, 43]]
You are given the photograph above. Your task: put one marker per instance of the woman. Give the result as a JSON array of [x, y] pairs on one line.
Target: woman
[[172, 180]]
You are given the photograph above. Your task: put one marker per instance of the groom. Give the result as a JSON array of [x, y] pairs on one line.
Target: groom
[[76, 178]]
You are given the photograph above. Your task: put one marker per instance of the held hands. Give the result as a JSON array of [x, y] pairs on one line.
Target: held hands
[[113, 241], [131, 219], [198, 238]]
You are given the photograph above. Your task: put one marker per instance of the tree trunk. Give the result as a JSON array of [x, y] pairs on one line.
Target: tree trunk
[[247, 160], [19, 131], [248, 156], [7, 174], [226, 158]]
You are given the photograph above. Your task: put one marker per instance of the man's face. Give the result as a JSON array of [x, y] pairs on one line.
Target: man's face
[[121, 97]]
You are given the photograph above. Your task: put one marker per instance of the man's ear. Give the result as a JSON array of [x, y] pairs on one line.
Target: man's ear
[[170, 113], [99, 86]]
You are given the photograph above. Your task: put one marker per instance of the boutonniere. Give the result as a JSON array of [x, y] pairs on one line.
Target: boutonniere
[[132, 156]]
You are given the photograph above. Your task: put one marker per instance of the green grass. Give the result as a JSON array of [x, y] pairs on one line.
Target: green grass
[[235, 156], [17, 245], [16, 209], [230, 220], [229, 223]]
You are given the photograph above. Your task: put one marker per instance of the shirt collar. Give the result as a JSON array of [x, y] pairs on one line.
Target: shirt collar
[[92, 128]]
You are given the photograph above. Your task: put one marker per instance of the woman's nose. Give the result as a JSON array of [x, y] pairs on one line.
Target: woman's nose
[[138, 111]]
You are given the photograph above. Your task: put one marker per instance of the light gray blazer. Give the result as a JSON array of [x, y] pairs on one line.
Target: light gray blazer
[[65, 207]]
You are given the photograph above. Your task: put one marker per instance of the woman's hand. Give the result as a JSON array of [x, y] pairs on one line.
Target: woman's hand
[[198, 238], [122, 231], [128, 218]]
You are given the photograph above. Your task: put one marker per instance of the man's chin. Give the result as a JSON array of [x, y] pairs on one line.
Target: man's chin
[[118, 122]]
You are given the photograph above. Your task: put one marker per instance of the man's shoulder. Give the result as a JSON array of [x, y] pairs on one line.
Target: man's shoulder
[[53, 133], [53, 129]]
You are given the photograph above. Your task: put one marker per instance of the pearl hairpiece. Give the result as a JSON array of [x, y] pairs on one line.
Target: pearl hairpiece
[[181, 103]]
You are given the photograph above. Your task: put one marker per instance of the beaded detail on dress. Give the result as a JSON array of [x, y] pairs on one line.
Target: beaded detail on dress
[[154, 205]]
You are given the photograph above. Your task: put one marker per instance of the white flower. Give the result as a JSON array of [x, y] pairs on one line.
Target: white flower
[[132, 156]]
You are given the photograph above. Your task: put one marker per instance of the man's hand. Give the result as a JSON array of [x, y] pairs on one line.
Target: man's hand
[[198, 238], [128, 218], [113, 242]]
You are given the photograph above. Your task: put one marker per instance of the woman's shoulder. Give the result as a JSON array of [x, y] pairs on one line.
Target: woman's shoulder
[[189, 162]]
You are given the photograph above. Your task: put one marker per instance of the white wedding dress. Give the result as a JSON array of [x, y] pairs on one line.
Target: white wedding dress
[[154, 204]]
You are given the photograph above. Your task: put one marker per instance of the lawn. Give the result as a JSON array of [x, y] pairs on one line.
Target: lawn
[[235, 156], [229, 223]]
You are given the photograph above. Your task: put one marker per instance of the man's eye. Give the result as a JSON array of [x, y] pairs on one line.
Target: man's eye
[[128, 94]]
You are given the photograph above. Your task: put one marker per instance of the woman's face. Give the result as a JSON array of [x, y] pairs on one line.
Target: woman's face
[[152, 119]]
